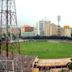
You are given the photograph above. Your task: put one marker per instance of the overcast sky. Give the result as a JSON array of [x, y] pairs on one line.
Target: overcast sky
[[31, 11]]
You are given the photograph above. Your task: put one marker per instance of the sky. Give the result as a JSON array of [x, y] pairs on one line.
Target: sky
[[31, 11]]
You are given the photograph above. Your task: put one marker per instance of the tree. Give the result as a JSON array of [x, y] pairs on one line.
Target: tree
[[69, 65]]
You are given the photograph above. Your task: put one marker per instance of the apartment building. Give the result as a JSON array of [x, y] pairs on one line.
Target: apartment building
[[27, 28], [27, 31], [46, 28], [67, 31], [43, 28]]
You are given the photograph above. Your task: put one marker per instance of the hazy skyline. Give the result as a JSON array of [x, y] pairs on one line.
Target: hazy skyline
[[31, 11]]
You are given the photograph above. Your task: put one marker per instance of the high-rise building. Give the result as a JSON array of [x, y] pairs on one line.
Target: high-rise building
[[43, 28], [47, 28], [61, 31], [67, 31], [53, 29]]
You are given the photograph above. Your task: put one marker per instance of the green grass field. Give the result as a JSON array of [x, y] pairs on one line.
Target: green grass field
[[45, 49]]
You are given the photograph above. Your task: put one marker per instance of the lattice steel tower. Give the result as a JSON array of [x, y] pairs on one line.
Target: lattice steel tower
[[9, 32]]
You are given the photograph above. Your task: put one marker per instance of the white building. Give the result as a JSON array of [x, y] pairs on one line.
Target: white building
[[26, 34], [41, 27]]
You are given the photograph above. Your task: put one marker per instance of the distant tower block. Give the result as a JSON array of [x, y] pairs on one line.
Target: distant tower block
[[67, 31], [58, 19], [9, 32]]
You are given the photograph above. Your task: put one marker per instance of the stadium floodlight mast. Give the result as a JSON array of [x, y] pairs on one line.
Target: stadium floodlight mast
[[58, 19], [8, 25]]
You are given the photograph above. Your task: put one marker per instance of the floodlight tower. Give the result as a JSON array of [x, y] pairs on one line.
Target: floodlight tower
[[58, 19], [8, 26]]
